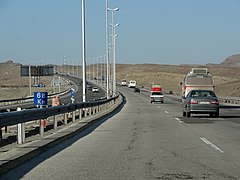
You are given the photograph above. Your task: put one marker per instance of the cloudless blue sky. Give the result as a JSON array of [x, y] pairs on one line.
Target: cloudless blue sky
[[150, 31]]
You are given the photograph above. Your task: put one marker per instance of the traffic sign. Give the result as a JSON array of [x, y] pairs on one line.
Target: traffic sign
[[40, 98], [72, 92]]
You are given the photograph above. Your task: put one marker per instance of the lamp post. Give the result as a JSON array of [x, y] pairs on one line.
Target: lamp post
[[113, 49], [114, 60], [107, 51], [83, 52], [97, 69]]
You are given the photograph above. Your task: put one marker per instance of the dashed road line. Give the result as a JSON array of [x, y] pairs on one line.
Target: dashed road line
[[211, 144], [178, 120], [166, 112]]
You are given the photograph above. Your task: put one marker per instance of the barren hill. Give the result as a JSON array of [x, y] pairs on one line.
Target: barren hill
[[227, 79], [232, 61]]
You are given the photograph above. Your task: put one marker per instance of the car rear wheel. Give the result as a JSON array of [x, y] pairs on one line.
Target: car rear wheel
[[184, 114], [188, 114]]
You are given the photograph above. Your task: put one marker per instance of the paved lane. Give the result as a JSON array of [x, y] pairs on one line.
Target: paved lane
[[144, 141]]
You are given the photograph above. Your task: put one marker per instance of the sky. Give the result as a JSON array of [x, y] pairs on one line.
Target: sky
[[151, 31]]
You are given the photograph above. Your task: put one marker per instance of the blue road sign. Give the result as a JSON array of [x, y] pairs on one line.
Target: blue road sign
[[40, 98], [72, 92]]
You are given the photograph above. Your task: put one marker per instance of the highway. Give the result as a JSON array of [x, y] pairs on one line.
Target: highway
[[78, 88], [145, 141]]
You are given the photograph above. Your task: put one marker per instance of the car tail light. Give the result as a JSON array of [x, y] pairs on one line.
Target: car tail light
[[193, 101], [214, 102]]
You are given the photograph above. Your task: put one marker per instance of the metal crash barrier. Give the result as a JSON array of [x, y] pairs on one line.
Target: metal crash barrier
[[51, 116]]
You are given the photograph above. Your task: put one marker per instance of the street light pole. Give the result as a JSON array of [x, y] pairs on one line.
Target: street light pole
[[113, 51], [114, 60], [83, 52], [107, 51]]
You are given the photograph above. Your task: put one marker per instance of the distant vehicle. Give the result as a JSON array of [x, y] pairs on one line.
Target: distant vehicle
[[89, 87], [201, 102], [39, 85], [95, 89], [124, 82], [156, 96], [198, 78], [156, 93], [132, 84], [136, 90], [156, 88]]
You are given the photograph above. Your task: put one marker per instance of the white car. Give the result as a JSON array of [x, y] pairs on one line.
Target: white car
[[156, 96], [95, 89], [124, 82]]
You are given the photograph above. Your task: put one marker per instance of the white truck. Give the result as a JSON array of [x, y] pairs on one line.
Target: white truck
[[132, 84], [197, 79]]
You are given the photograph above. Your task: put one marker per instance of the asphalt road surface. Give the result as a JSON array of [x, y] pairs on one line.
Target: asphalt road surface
[[145, 141], [90, 96]]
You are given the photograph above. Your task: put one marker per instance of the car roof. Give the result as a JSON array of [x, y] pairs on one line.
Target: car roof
[[196, 90]]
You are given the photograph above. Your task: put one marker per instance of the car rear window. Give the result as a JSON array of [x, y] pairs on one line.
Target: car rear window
[[203, 94], [157, 93]]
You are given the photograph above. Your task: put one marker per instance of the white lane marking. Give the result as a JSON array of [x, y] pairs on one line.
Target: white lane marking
[[166, 112], [211, 144], [178, 120], [158, 106]]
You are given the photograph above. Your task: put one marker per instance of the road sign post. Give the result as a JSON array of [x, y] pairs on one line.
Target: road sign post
[[72, 94], [40, 100]]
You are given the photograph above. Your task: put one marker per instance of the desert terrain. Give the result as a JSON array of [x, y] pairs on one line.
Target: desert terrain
[[13, 86], [226, 77]]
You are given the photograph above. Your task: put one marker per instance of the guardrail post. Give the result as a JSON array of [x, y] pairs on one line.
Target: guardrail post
[[20, 131], [65, 118], [41, 128], [73, 116], [55, 122], [90, 111], [85, 112], [80, 114]]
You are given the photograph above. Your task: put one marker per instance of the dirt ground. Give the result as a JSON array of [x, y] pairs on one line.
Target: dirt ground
[[227, 79], [13, 86]]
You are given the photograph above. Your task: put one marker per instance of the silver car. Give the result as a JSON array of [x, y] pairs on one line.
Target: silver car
[[201, 102]]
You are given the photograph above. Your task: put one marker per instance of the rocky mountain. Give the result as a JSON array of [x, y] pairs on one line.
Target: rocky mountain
[[232, 61]]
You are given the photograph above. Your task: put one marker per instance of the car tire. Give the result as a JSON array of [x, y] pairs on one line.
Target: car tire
[[184, 114], [188, 114], [217, 114]]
